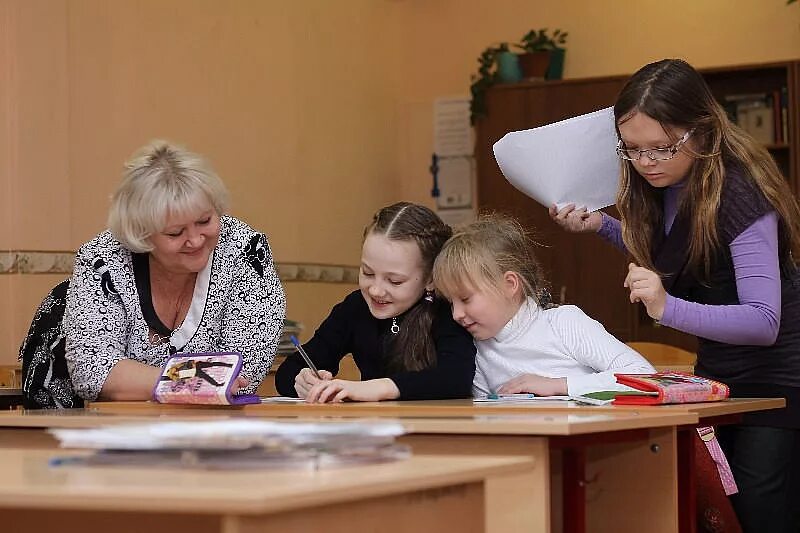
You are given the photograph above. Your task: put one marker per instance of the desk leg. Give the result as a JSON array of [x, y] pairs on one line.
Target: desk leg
[[574, 489], [687, 491]]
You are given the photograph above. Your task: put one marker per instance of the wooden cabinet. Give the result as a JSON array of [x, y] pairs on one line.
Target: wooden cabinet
[[583, 269]]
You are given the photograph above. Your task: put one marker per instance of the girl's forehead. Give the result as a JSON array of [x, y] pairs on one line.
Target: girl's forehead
[[390, 255], [460, 283], [641, 128]]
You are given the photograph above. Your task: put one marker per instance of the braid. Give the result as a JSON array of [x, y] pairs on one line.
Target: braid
[[413, 347]]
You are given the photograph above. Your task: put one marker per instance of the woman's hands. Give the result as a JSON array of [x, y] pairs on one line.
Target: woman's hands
[[576, 220], [306, 380], [337, 390], [535, 384], [646, 287]]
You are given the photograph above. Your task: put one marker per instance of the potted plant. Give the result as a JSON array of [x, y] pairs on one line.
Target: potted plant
[[487, 76], [538, 47]]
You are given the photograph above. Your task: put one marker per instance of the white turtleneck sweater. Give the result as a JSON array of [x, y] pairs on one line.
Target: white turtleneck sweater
[[555, 343]]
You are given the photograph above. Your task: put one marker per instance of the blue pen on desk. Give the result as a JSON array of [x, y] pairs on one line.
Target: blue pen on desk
[[66, 461], [519, 396], [305, 356]]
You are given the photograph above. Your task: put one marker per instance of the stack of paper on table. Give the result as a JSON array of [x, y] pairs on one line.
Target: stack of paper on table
[[572, 161], [238, 443]]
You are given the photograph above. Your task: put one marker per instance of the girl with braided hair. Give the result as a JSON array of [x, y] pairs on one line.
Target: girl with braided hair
[[402, 337], [525, 343]]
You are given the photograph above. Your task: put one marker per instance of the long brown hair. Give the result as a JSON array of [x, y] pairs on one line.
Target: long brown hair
[[478, 255], [673, 93], [413, 347]]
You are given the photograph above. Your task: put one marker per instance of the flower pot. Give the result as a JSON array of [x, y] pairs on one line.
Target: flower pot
[[534, 64], [508, 67], [556, 69]]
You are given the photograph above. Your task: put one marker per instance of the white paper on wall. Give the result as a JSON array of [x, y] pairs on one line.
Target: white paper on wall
[[452, 131], [455, 182]]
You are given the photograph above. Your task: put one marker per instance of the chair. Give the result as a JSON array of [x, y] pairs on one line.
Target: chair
[[665, 357], [45, 379]]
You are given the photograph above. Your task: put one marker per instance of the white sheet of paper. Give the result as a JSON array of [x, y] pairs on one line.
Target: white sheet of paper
[[281, 399], [217, 434], [455, 182], [569, 162], [452, 132]]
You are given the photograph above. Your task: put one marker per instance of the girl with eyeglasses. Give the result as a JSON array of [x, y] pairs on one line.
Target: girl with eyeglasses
[[710, 224]]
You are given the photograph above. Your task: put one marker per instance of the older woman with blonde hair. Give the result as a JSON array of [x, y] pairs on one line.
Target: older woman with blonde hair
[[172, 274]]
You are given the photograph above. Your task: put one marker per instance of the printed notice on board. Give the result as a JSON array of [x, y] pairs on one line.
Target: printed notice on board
[[451, 127], [455, 182]]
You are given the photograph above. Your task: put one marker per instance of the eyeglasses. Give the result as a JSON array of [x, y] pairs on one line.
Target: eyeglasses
[[654, 154]]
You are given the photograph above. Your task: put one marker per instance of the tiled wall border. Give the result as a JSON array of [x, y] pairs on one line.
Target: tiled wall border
[[30, 262]]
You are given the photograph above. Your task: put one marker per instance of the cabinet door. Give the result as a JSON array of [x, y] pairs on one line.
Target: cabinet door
[[586, 271], [508, 112], [581, 269]]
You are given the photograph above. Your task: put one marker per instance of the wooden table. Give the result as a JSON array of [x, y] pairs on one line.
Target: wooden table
[[604, 469], [447, 408], [464, 493], [576, 467], [609, 467]]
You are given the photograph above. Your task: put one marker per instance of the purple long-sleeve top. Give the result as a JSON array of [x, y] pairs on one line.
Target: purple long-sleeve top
[[756, 319]]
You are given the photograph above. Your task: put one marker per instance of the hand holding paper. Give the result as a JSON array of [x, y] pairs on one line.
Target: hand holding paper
[[569, 162], [576, 220]]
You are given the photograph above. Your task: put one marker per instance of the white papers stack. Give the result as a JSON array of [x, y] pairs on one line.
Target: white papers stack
[[569, 162], [228, 434], [238, 443]]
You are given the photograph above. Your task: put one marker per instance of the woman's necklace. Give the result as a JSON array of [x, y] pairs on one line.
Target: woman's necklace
[[395, 329]]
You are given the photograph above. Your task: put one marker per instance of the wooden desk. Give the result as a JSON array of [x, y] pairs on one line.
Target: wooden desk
[[576, 466], [469, 494], [445, 408], [610, 470]]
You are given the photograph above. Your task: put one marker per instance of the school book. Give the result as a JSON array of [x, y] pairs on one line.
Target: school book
[[201, 378], [669, 387]]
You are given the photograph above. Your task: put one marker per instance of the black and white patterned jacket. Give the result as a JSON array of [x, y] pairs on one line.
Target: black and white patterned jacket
[[238, 305]]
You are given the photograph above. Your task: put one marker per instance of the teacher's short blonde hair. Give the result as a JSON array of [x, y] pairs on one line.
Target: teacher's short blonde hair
[[161, 179]]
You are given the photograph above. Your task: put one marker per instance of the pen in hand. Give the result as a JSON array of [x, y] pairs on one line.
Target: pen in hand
[[305, 356]]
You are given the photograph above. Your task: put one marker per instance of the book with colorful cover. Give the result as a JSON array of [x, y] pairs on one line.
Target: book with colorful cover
[[201, 378], [669, 387]]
